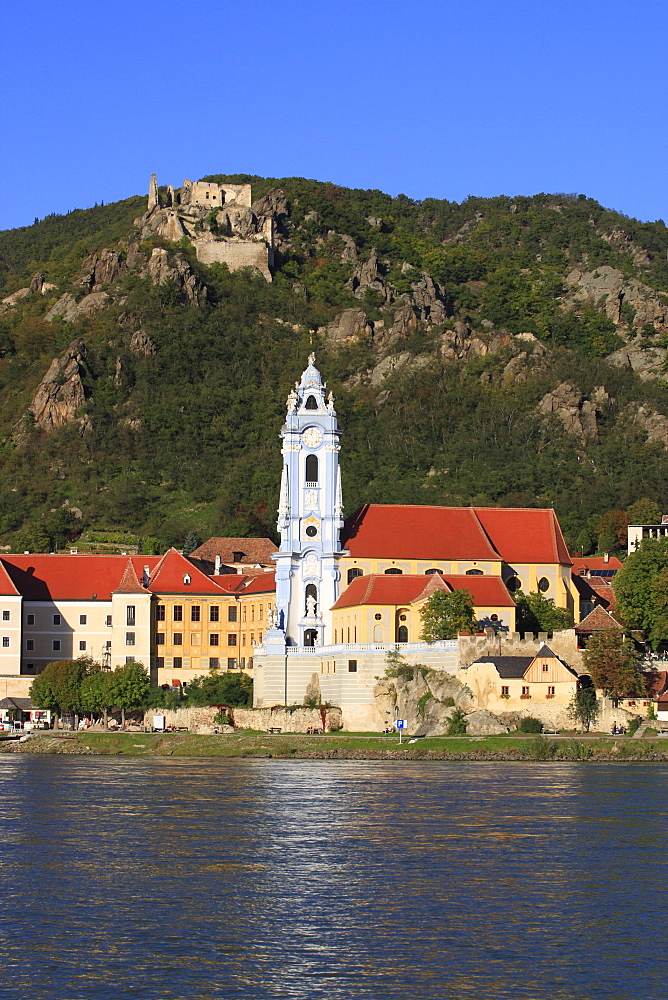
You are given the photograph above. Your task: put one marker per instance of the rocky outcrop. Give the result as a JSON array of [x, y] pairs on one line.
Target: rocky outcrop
[[428, 300], [654, 424], [161, 269], [351, 325], [647, 362], [615, 289], [577, 414], [484, 723], [273, 203], [101, 268], [61, 392], [428, 701], [461, 342], [370, 274], [141, 344], [67, 308]]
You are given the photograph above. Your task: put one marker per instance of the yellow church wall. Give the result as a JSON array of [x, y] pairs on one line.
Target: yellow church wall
[[417, 567]]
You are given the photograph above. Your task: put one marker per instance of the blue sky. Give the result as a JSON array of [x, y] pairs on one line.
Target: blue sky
[[441, 99]]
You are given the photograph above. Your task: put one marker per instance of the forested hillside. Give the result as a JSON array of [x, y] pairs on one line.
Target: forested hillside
[[499, 351]]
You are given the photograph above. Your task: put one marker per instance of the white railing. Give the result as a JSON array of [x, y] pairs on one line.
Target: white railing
[[372, 647]]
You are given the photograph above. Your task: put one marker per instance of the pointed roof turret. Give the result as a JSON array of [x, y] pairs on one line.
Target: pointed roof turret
[[129, 581]]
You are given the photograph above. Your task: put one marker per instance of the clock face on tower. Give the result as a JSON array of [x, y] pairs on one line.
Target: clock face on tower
[[312, 437]]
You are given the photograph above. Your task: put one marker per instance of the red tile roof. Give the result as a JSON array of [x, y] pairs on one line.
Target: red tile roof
[[65, 577], [265, 583], [486, 591], [7, 585], [596, 621], [169, 575], [595, 562], [525, 534], [656, 682], [603, 590], [384, 589], [384, 531], [516, 535], [129, 582], [253, 550]]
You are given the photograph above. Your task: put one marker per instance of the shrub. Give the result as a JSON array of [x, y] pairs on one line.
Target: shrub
[[457, 723], [422, 701], [530, 725], [540, 749], [575, 750], [634, 725]]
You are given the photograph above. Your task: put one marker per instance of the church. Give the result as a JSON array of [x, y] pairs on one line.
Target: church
[[348, 591]]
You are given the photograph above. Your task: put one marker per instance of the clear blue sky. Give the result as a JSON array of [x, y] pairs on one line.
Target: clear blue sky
[[440, 99]]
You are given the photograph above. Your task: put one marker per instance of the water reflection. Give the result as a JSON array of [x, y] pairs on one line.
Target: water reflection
[[263, 879]]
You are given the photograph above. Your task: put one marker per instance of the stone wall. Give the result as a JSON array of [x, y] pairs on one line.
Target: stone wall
[[562, 643], [235, 254], [200, 720]]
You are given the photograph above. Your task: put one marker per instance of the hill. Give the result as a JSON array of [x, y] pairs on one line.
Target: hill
[[499, 351]]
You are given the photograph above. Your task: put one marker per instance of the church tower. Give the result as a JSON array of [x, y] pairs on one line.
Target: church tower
[[309, 514]]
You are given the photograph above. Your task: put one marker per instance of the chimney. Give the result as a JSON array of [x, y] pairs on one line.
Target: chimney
[[216, 568], [606, 558]]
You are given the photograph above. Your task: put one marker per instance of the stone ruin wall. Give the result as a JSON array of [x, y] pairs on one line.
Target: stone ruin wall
[[562, 643], [235, 255]]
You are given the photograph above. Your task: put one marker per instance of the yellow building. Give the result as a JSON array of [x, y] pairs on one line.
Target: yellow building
[[385, 608]]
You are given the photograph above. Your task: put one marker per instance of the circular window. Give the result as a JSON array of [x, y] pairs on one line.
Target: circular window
[[513, 583], [543, 584], [378, 617], [402, 618], [311, 531], [494, 618]]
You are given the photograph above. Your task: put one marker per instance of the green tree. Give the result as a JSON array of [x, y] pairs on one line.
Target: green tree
[[612, 661], [644, 511], [457, 723], [34, 537], [98, 693], [234, 689], [536, 613], [58, 687], [130, 687], [611, 530], [641, 589], [584, 707], [444, 615], [190, 543]]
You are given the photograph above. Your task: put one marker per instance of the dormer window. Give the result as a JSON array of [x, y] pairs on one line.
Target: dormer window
[[311, 403], [237, 556], [186, 580]]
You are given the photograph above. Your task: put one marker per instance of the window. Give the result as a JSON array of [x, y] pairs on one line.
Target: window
[[546, 666], [129, 638], [82, 645], [6, 616], [231, 663], [525, 692], [177, 663], [311, 403], [83, 619], [352, 666], [260, 610], [243, 614], [231, 613], [252, 638], [543, 584], [214, 613], [402, 634], [243, 639], [551, 691], [30, 644], [160, 662], [194, 613], [5, 642], [130, 614], [160, 612], [311, 531], [56, 619], [214, 663], [213, 639], [378, 617], [186, 580], [177, 639], [55, 645], [178, 613], [354, 573], [311, 469], [474, 572], [393, 571], [129, 659], [30, 667], [160, 638], [505, 691], [253, 613], [259, 637], [30, 619], [232, 639], [430, 572], [513, 583], [109, 620]]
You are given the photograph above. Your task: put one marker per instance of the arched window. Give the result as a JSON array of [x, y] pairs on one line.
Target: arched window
[[474, 572], [354, 573], [311, 637], [311, 403], [402, 634], [311, 591], [311, 468], [378, 633], [543, 584], [430, 572], [393, 571], [513, 583]]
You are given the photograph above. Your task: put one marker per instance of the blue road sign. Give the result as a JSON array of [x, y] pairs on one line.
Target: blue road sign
[[400, 723]]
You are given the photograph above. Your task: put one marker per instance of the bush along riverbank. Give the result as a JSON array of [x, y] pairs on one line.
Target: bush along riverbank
[[344, 746]]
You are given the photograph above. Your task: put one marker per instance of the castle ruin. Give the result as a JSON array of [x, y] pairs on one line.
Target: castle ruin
[[218, 219]]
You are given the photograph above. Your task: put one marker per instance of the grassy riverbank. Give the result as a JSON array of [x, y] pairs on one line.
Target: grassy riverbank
[[343, 746]]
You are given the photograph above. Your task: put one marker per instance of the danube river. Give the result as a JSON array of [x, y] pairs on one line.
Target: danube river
[[261, 879]]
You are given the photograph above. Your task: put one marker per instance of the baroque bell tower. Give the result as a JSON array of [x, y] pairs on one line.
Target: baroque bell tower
[[309, 514]]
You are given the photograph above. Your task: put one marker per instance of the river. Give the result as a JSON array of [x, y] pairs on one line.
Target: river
[[257, 879]]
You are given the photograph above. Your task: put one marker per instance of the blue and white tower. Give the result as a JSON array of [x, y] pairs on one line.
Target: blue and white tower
[[309, 515]]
